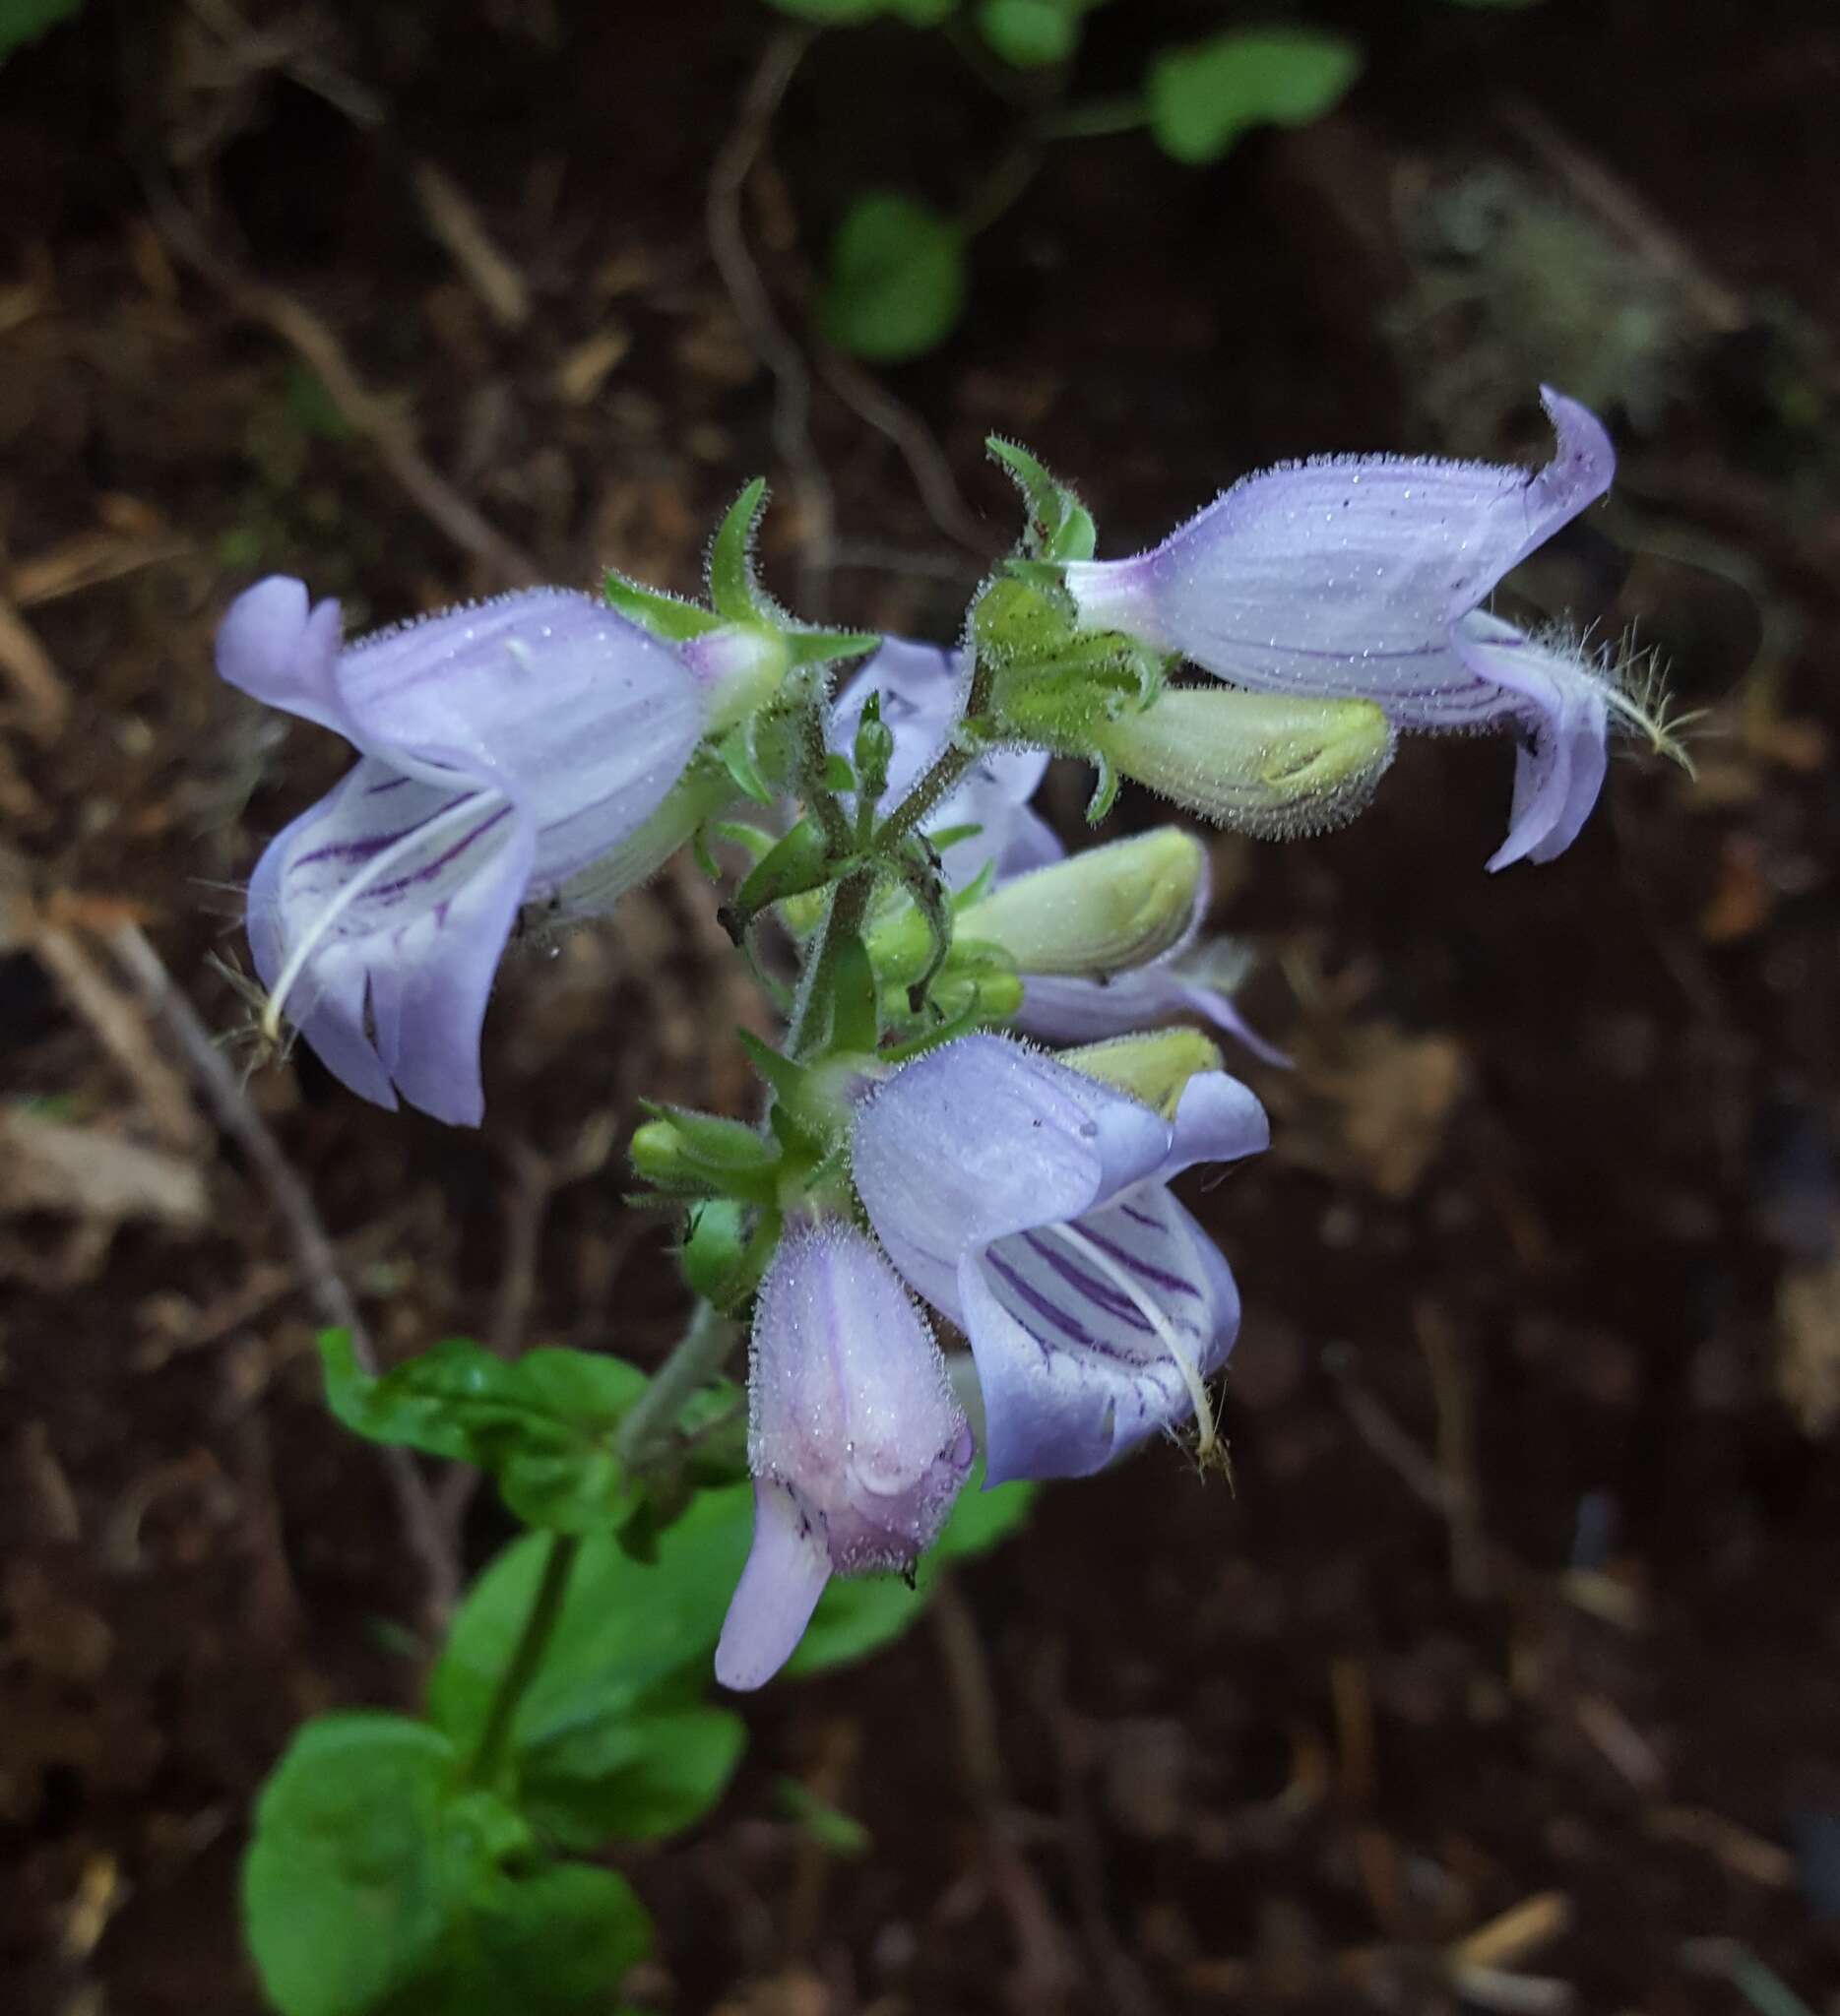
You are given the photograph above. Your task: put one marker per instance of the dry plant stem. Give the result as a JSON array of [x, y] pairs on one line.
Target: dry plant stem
[[314, 1258], [747, 292], [1452, 1391], [372, 417], [1044, 1966], [871, 401], [120, 1027]]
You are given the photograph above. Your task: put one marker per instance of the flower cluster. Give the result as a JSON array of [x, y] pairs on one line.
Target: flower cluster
[[920, 1148]]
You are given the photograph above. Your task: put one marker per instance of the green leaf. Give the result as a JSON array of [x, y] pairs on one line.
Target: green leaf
[[25, 21], [857, 1616], [549, 1943], [896, 279], [832, 1829], [630, 1774], [1202, 99], [1030, 34], [624, 1626], [542, 1424], [375, 1878], [350, 1884]]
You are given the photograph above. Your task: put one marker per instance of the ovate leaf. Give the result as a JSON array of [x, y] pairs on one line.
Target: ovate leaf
[[896, 279], [631, 1774], [626, 1625], [348, 1885], [1203, 98], [1032, 33], [543, 1424]]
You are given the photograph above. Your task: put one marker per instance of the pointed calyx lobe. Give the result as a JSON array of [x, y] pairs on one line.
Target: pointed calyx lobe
[[504, 747], [1031, 1205], [856, 1444], [1362, 577]]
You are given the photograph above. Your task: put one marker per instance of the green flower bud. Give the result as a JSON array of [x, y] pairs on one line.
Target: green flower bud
[[1266, 763], [1098, 911], [684, 1152], [1154, 1067]]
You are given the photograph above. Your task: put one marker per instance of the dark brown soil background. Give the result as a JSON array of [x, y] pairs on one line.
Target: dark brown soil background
[[1510, 1668]]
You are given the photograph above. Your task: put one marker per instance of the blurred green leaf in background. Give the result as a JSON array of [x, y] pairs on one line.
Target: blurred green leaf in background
[[896, 279], [25, 21], [1203, 98]]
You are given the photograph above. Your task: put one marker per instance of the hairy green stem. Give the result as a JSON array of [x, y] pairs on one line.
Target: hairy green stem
[[814, 752], [697, 1357], [527, 1659], [941, 774], [843, 917]]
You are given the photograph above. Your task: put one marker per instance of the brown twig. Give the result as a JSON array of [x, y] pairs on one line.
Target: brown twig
[[913, 439], [735, 162], [44, 697], [1126, 1989], [315, 1262], [1626, 214], [1044, 1970], [1453, 1395], [321, 350]]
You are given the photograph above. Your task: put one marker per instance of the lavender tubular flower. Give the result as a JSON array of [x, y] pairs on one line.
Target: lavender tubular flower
[[1362, 577], [502, 748], [856, 1441], [1031, 1205], [1175, 989]]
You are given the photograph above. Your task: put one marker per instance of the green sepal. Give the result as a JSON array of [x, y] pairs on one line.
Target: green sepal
[[734, 592], [837, 774], [797, 864], [667, 616], [950, 835], [726, 1247], [826, 647], [1106, 784], [714, 1242], [784, 1079], [921, 879], [754, 841], [1060, 527], [856, 1008], [735, 752]]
